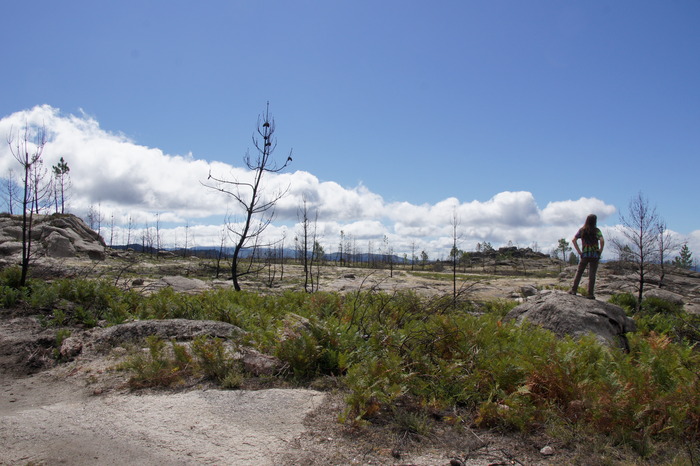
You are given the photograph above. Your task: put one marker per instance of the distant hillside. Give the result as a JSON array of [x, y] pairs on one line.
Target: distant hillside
[[501, 254], [211, 252]]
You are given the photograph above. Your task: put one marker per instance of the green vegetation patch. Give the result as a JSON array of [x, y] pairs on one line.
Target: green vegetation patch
[[422, 361], [172, 364]]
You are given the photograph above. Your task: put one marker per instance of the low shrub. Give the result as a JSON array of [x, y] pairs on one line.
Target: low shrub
[[625, 300], [499, 307], [11, 277], [661, 317], [61, 335], [413, 422], [214, 361], [169, 364], [652, 304], [10, 297], [157, 368]]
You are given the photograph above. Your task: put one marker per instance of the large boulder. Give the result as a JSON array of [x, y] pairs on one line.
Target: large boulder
[[566, 314], [55, 235], [10, 248], [84, 240], [58, 245]]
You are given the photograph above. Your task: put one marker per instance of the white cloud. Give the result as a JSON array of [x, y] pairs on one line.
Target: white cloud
[[112, 171], [129, 180], [568, 212]]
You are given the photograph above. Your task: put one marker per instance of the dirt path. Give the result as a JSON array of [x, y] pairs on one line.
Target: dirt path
[[47, 421]]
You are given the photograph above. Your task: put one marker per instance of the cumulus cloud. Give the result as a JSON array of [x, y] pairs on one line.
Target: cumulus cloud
[[113, 171], [132, 182], [568, 212]]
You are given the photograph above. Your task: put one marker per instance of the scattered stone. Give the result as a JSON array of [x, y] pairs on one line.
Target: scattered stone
[[70, 348], [258, 363], [547, 451], [183, 284], [293, 326], [528, 290]]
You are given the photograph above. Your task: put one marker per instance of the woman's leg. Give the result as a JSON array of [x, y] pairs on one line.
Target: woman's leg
[[579, 273], [591, 278]]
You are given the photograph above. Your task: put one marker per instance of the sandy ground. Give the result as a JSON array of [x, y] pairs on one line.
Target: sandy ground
[[47, 421]]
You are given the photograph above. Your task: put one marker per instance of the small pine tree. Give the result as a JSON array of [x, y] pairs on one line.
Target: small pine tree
[[684, 259], [563, 247], [60, 173]]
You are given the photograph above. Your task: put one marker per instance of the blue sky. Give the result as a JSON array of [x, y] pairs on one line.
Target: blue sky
[[425, 105]]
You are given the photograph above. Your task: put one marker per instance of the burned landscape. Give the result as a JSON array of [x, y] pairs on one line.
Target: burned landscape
[[77, 387]]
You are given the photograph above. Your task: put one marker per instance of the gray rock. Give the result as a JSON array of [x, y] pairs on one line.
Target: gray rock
[[53, 236], [565, 314], [10, 248], [547, 451], [179, 329], [258, 363], [181, 284], [59, 246], [293, 326], [528, 290], [11, 229], [70, 348], [665, 295]]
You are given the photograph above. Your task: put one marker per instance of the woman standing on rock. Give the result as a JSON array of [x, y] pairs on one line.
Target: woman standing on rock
[[593, 243]]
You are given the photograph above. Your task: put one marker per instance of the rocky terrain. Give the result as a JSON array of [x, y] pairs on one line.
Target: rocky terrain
[[82, 411]]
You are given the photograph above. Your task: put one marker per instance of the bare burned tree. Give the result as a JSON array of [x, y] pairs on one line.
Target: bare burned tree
[[258, 209], [221, 254], [306, 240], [129, 229], [454, 254], [667, 244], [388, 255], [11, 191], [281, 254], [640, 237], [157, 238], [28, 151]]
